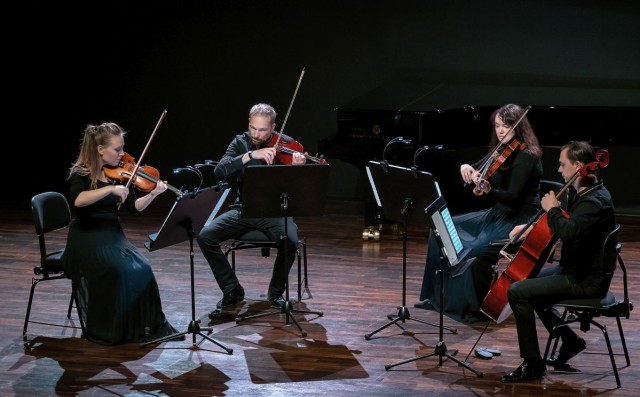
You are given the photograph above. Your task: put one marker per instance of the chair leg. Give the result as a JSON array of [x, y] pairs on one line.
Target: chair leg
[[34, 282], [74, 299], [303, 245], [612, 357], [562, 322], [623, 341], [299, 274], [552, 336], [71, 299]]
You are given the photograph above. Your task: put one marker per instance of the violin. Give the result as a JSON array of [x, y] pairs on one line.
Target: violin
[[285, 150], [145, 179], [498, 158], [534, 251]]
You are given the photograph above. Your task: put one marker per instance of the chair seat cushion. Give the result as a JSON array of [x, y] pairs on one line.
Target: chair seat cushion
[[594, 303], [254, 236], [53, 262]]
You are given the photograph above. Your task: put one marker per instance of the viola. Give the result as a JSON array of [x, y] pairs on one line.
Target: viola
[[498, 158], [494, 161], [533, 253], [285, 150], [146, 176]]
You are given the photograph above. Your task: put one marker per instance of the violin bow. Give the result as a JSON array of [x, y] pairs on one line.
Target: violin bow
[[135, 169], [286, 116]]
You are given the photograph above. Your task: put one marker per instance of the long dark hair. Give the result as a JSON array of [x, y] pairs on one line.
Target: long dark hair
[[510, 114]]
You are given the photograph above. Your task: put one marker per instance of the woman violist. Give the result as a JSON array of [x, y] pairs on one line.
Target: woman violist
[[514, 189], [117, 291]]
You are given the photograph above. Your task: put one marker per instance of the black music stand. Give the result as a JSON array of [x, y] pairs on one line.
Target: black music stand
[[451, 251], [284, 191], [398, 191], [189, 214]]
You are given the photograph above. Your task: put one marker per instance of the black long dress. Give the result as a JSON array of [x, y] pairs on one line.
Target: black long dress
[[516, 192], [117, 291]]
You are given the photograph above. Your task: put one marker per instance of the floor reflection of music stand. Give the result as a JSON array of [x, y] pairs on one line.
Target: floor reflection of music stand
[[284, 191], [399, 191], [451, 252], [189, 214]]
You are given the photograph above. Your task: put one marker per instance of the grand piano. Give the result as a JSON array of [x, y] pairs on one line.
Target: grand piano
[[446, 125]]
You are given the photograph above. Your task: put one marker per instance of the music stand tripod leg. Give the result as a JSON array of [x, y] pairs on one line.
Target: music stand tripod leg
[[287, 309], [403, 311], [287, 306], [194, 325], [440, 349]]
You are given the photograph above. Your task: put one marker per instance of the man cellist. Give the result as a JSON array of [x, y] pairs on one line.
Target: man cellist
[[591, 217]]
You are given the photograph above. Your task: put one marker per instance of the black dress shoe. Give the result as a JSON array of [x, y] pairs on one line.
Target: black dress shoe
[[526, 372], [231, 298], [277, 301], [567, 352]]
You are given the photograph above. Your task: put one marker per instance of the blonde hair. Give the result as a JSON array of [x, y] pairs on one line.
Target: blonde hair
[[88, 161]]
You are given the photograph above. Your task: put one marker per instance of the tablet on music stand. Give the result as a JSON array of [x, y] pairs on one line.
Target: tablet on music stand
[[446, 232]]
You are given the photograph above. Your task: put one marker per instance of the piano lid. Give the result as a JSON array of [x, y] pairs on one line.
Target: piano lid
[[419, 92]]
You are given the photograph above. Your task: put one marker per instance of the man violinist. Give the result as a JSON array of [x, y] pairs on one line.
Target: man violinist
[[591, 217], [251, 147]]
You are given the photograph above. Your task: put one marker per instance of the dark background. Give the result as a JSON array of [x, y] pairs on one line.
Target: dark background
[[207, 62]]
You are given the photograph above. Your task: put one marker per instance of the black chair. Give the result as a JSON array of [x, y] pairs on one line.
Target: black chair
[[547, 185], [256, 239], [585, 311], [50, 213]]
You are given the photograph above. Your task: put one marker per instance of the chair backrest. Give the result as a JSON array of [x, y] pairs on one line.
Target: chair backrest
[[547, 185], [50, 212], [609, 254]]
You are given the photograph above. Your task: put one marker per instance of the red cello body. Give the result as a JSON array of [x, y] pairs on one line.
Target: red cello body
[[531, 256]]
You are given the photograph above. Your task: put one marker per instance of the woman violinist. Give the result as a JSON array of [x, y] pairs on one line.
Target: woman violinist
[[514, 189], [117, 291]]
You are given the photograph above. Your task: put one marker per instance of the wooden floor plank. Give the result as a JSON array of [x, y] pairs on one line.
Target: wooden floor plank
[[355, 283]]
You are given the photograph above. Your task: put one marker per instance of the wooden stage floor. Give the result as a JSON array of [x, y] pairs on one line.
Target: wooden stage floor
[[355, 283]]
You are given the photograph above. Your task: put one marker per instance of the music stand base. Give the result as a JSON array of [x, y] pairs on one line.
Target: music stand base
[[194, 329], [404, 315], [288, 310], [440, 351]]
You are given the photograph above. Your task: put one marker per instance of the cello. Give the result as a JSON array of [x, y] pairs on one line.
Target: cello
[[534, 251]]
